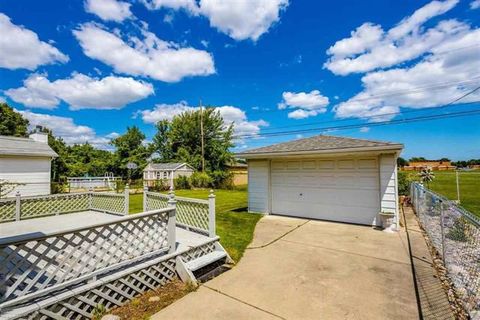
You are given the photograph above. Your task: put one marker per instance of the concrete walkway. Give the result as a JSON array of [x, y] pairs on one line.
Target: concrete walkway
[[302, 269]]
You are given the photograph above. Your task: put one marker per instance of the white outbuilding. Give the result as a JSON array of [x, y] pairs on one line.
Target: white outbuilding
[[325, 177], [26, 162]]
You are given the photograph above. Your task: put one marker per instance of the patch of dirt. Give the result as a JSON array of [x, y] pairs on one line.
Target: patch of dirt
[[144, 306]]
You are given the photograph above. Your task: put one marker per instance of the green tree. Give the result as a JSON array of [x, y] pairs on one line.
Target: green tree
[[129, 148], [401, 162], [59, 170], [161, 143], [180, 140], [417, 159], [11, 122]]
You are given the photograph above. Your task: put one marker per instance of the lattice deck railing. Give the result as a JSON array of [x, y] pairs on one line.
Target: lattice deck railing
[[20, 208], [32, 266], [194, 214]]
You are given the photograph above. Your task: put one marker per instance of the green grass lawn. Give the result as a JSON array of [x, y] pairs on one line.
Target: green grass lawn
[[444, 184], [235, 225]]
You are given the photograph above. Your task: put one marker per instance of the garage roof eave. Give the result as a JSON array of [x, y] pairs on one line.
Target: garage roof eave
[[379, 149]]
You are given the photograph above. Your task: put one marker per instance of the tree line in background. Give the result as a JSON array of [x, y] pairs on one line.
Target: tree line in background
[[178, 140], [401, 162]]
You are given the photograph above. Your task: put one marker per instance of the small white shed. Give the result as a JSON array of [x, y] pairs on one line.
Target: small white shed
[[26, 161], [324, 177], [166, 172]]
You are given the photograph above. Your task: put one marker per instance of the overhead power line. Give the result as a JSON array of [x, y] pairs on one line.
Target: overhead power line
[[437, 86], [378, 123]]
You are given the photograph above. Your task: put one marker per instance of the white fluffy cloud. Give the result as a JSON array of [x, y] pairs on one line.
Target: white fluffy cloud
[[113, 10], [231, 115], [149, 56], [67, 129], [449, 71], [370, 47], [240, 19], [306, 104], [20, 48], [246, 19], [80, 92], [475, 4]]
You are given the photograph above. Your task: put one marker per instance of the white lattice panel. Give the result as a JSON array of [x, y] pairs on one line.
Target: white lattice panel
[[156, 201], [193, 214], [7, 210], [119, 291], [44, 262], [190, 212], [54, 204], [108, 202]]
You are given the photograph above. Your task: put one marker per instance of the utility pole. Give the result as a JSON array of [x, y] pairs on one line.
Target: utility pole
[[202, 136]]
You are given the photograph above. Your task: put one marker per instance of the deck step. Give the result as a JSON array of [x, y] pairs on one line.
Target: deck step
[[205, 260]]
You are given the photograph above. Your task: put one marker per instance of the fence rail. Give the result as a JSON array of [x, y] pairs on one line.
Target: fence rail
[[35, 265], [193, 214], [455, 234], [19, 208]]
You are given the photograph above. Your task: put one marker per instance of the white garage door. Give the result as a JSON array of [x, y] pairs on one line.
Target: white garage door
[[343, 190]]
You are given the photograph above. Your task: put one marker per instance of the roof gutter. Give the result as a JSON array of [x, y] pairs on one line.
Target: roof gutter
[[245, 155]]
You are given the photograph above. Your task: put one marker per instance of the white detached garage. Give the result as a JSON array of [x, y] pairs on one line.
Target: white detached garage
[[324, 177]]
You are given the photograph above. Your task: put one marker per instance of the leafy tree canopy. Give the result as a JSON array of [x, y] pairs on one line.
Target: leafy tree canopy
[[11, 122], [401, 162], [180, 140], [129, 147]]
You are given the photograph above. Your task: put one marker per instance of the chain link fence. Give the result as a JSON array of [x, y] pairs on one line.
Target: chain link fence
[[455, 234]]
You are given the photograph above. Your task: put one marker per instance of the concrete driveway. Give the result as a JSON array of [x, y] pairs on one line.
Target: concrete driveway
[[305, 269]]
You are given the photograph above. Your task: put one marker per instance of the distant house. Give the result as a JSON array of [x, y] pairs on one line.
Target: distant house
[[166, 172], [432, 164], [239, 172], [26, 161]]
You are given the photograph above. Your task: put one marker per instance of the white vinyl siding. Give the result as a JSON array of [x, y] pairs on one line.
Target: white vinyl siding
[[388, 183], [258, 186], [33, 172], [338, 189]]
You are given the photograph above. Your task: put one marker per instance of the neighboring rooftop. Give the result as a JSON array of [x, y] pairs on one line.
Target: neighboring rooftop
[[14, 146], [321, 143], [167, 166]]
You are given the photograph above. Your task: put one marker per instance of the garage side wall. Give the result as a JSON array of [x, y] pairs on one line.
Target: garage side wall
[[388, 183], [33, 173], [258, 185]]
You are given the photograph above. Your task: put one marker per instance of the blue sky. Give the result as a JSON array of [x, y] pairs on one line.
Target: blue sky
[[88, 69]]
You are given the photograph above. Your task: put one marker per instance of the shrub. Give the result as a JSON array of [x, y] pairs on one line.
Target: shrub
[[182, 182], [404, 181], [57, 187], [159, 186], [222, 179], [200, 180]]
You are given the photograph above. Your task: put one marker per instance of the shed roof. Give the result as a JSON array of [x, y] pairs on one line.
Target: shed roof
[[321, 144], [14, 146], [167, 166]]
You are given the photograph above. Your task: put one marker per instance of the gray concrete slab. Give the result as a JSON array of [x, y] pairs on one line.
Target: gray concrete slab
[[433, 299], [270, 228], [219, 306], [320, 270]]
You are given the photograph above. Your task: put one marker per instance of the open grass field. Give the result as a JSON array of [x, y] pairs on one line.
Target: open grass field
[[444, 184], [235, 225]]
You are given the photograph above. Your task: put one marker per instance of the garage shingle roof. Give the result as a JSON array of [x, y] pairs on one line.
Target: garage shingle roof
[[13, 146], [166, 166], [320, 143]]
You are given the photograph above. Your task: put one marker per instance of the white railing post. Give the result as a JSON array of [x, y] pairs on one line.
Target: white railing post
[[90, 198], [18, 206], [127, 200], [172, 223], [211, 214], [145, 190]]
